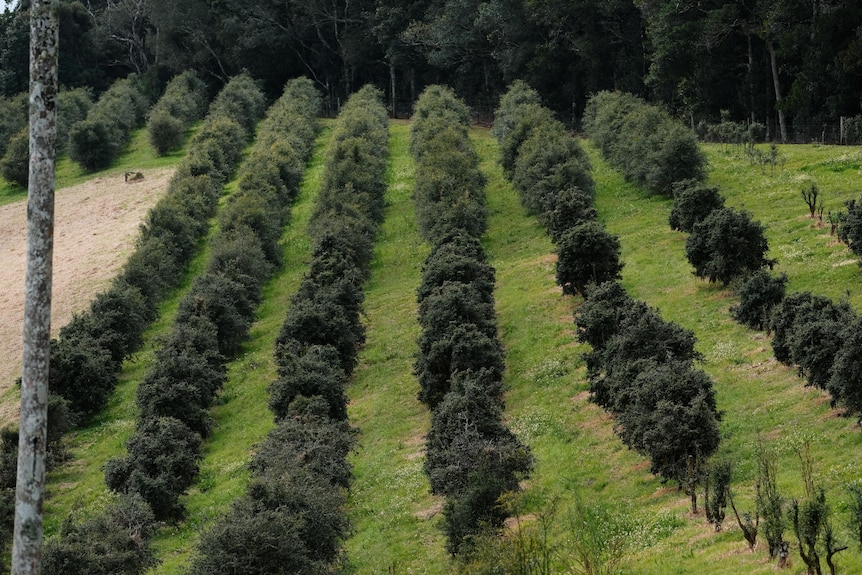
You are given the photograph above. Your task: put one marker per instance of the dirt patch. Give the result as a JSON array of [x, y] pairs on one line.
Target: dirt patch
[[95, 226]]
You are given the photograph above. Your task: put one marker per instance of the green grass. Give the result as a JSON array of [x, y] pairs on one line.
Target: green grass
[[394, 516], [395, 520]]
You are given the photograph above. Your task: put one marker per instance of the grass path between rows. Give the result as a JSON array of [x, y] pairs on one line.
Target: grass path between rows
[[394, 516]]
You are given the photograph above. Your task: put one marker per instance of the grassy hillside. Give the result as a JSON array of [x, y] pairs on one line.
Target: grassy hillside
[[578, 457]]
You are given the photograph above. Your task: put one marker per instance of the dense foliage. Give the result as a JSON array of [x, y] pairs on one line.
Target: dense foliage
[[294, 504], [472, 457]]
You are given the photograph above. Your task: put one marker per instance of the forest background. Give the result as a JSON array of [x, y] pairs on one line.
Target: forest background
[[794, 66]]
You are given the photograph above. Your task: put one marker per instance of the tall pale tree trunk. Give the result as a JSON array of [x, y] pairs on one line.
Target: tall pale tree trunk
[[44, 41], [773, 60]]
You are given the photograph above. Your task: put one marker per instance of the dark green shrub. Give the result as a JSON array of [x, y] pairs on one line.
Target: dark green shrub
[[587, 254], [692, 202], [455, 303], [307, 438], [727, 244], [170, 223], [457, 261], [532, 116], [93, 144], [549, 161], [604, 116], [153, 268], [322, 321], [473, 465], [14, 114], [227, 303], [236, 252], [599, 318], [462, 348], [571, 207], [850, 230], [219, 142], [506, 115], [185, 98], [166, 132], [672, 417], [162, 463], [15, 164], [783, 317], [242, 101], [758, 295], [642, 336], [845, 383], [816, 337], [309, 372], [114, 542], [82, 372], [298, 520], [72, 107]]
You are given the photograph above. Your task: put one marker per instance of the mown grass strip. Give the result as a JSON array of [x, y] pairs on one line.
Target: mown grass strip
[[393, 515]]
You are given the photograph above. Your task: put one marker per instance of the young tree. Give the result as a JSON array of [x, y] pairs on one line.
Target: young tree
[[44, 49], [811, 197]]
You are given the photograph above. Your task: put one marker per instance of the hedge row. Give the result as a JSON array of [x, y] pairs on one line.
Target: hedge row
[[294, 504], [649, 147], [183, 102], [91, 348], [472, 458], [212, 322], [818, 336], [98, 140], [72, 107], [551, 174], [641, 369]]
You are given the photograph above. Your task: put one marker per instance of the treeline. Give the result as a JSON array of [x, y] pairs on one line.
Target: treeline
[[292, 518], [472, 458], [792, 66]]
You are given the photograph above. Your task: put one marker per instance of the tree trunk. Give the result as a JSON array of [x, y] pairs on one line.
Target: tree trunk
[[44, 44], [773, 60]]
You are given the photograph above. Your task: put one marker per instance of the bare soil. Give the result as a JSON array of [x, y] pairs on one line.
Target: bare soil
[[95, 227]]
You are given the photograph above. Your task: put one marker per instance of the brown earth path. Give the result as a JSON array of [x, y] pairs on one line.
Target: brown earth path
[[95, 227]]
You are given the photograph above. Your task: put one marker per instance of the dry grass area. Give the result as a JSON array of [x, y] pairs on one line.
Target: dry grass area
[[95, 227]]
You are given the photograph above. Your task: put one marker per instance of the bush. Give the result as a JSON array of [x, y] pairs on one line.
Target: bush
[[185, 98], [298, 520], [162, 463], [692, 202], [460, 259], [166, 132], [473, 465], [549, 161], [313, 371], [242, 101], [587, 254], [727, 244], [93, 144], [845, 383], [114, 542], [672, 417], [531, 118], [217, 147], [306, 438], [571, 207], [72, 107], [462, 348], [14, 113], [455, 303], [758, 295], [506, 115], [15, 164], [82, 372]]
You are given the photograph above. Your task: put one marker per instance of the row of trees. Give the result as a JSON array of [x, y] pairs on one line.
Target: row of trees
[[472, 458], [88, 354], [292, 517], [551, 174]]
